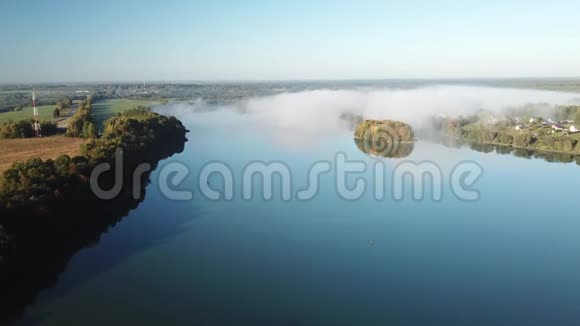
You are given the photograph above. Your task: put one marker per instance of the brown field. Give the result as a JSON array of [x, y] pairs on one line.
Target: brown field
[[12, 150]]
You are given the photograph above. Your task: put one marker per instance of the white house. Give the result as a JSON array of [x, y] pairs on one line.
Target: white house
[[573, 129], [532, 120], [518, 127], [557, 127]]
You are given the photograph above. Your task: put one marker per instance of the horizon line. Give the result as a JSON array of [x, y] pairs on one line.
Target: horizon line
[[216, 81]]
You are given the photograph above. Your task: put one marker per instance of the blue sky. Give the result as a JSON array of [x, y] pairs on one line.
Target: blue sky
[[279, 40]]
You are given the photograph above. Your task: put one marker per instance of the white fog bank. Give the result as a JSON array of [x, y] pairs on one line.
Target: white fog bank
[[297, 118]]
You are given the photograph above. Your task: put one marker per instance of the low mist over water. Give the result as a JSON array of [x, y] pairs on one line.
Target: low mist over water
[[300, 118]]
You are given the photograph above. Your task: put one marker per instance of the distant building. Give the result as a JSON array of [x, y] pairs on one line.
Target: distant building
[[557, 127], [573, 129], [518, 127]]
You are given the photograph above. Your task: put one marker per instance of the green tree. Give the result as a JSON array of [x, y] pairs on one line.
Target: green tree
[[56, 113], [81, 118], [89, 130]]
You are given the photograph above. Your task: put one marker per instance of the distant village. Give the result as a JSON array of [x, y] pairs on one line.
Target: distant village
[[533, 123]]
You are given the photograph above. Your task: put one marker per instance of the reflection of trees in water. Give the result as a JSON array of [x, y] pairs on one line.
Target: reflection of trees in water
[[37, 243], [484, 148], [552, 157], [399, 150], [556, 157], [522, 152], [504, 150], [528, 154]]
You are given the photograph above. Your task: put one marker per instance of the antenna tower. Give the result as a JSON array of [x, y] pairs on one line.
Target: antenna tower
[[36, 123]]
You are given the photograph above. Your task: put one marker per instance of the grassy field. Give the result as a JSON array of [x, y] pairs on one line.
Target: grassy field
[[104, 109], [44, 111], [49, 147]]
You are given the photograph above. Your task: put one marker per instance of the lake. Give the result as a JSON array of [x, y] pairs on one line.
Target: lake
[[510, 257]]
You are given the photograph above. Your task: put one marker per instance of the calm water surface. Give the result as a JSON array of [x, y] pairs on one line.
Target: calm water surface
[[513, 257]]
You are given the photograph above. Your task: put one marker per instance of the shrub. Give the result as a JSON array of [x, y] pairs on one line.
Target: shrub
[[24, 129], [523, 139], [556, 143], [504, 138], [480, 134], [89, 130]]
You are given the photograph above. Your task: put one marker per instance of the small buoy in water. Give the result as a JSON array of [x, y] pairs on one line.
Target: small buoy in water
[[371, 243]]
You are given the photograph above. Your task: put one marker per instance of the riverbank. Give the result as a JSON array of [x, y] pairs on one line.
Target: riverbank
[[48, 211], [556, 133]]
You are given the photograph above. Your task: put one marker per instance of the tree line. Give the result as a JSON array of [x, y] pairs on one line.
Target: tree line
[[25, 129], [81, 123]]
